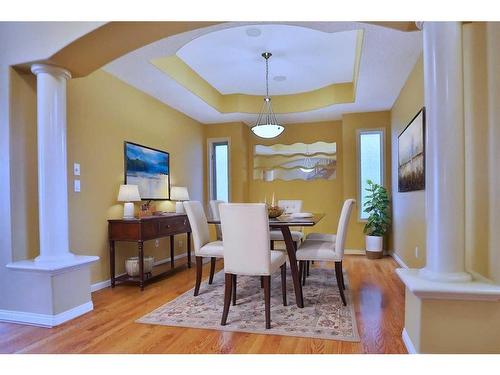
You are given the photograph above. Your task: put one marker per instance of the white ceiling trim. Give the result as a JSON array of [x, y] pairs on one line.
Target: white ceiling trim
[[387, 58]]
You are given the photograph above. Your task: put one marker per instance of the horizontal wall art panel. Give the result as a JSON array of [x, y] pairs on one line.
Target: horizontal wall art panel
[[298, 161]]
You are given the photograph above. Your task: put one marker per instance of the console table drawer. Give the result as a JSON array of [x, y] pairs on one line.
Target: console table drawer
[[173, 226], [149, 230], [124, 232]]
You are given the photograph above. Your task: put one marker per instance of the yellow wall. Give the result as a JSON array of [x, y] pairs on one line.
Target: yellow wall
[[103, 112], [318, 195], [482, 145], [408, 208], [351, 124], [23, 154]]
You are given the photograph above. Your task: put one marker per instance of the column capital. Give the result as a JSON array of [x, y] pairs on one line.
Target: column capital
[[50, 69]]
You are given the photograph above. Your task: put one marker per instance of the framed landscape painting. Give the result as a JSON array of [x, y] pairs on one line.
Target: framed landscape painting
[[149, 169], [411, 155]]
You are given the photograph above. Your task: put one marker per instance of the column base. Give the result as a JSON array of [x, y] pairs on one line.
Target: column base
[[63, 258], [51, 265], [49, 293], [450, 317], [452, 277]]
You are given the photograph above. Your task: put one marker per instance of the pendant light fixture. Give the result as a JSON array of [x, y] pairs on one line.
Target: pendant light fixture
[[267, 125]]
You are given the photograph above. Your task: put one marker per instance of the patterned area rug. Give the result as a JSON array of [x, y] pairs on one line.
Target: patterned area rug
[[323, 316]]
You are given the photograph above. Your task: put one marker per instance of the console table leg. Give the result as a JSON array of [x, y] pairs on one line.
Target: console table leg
[[141, 263], [112, 262], [188, 243], [171, 251]]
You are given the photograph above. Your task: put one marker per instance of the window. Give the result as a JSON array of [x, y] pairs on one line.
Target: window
[[371, 163], [219, 170]]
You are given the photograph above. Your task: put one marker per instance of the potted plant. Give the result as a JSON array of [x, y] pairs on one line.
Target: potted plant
[[377, 207]]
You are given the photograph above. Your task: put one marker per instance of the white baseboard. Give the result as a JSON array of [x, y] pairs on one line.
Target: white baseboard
[[407, 341], [399, 260], [44, 320], [106, 283]]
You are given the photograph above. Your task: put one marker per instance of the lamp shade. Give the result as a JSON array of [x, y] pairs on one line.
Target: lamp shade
[[179, 193], [129, 193]]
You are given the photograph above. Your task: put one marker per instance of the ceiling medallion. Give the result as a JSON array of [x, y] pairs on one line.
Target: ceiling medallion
[[267, 125]]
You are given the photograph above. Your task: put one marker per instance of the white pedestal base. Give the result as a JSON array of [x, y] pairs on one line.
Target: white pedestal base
[[59, 290], [455, 277], [128, 210], [179, 208]]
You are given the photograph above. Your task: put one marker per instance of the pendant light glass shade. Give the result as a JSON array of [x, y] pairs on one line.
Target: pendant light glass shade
[[267, 125]]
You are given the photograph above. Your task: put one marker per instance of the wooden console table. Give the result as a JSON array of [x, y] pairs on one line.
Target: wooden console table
[[145, 229]]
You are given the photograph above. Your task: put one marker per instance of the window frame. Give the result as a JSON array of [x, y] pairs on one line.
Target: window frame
[[360, 132], [211, 143]]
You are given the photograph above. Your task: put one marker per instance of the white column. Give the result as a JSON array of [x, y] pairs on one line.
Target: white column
[[52, 164], [445, 161]]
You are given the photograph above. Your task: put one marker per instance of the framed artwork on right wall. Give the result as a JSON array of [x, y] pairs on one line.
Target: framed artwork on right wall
[[411, 155]]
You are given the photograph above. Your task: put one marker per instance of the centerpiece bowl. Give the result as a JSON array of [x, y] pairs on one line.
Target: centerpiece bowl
[[274, 211]]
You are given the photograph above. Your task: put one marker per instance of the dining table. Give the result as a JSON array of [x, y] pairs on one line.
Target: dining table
[[284, 222]]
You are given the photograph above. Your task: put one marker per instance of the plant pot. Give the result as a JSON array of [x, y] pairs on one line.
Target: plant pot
[[374, 246]]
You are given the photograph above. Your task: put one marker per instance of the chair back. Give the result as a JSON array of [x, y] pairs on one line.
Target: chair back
[[343, 225], [290, 206], [214, 210], [198, 223], [245, 233]]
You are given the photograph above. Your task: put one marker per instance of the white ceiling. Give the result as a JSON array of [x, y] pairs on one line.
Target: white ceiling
[[231, 61], [387, 58]]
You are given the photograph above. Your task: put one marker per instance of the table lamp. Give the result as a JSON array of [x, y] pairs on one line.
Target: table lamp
[[128, 194], [179, 194]]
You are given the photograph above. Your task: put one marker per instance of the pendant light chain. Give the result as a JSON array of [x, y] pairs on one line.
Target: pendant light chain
[[267, 76], [267, 125]]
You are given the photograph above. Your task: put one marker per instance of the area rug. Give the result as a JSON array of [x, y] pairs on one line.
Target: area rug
[[323, 316]]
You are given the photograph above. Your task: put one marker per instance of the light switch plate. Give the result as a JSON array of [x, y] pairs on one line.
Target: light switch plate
[[76, 169], [77, 186]]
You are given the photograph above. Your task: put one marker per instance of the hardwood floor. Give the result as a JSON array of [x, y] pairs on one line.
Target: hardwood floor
[[378, 299]]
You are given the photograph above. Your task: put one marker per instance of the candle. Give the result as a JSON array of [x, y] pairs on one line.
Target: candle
[[272, 204], [265, 199]]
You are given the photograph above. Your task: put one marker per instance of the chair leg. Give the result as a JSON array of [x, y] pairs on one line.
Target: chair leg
[[272, 245], [234, 290], [267, 300], [338, 275], [304, 272], [307, 268], [342, 274], [262, 281], [212, 269], [227, 297], [301, 270], [199, 270], [283, 283]]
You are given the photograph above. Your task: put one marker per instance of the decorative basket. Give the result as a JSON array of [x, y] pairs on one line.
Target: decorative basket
[[132, 265], [274, 211]]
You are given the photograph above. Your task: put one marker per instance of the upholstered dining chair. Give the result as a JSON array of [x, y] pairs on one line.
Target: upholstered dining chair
[[324, 236], [290, 207], [203, 248], [328, 250], [245, 229], [214, 210]]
